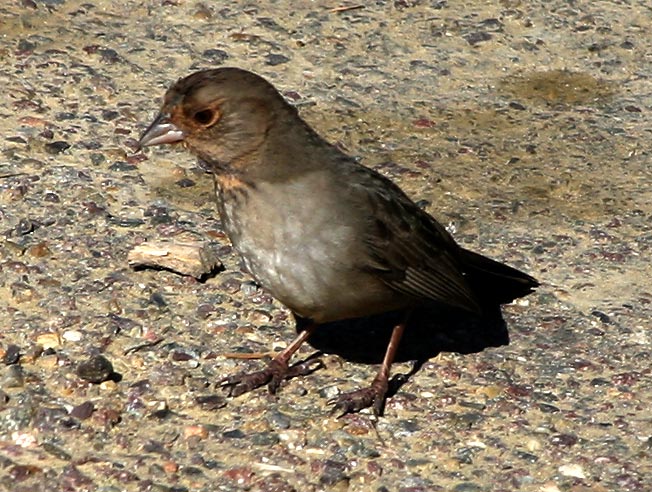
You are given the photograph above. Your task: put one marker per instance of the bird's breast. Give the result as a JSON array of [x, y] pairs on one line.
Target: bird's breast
[[301, 245]]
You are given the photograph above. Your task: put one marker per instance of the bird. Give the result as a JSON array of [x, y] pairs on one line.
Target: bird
[[327, 236]]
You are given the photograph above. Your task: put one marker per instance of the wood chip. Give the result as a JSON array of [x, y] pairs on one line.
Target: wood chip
[[193, 259]]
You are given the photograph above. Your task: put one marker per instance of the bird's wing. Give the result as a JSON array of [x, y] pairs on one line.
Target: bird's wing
[[408, 249]]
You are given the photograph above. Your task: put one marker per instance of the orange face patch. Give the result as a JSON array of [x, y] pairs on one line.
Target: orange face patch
[[230, 182]]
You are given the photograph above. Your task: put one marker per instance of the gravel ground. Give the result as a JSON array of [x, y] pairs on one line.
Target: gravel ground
[[521, 125]]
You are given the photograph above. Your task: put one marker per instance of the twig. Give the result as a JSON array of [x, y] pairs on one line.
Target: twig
[[143, 345], [337, 10], [245, 355]]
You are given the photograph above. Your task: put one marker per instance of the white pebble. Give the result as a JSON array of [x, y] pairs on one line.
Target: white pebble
[[574, 471], [72, 335]]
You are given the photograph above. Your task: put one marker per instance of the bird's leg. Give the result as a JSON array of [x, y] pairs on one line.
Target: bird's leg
[[276, 371], [373, 395]]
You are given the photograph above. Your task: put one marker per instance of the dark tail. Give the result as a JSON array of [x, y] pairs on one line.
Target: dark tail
[[494, 282]]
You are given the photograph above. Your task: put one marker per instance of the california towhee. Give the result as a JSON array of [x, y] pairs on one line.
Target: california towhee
[[328, 237]]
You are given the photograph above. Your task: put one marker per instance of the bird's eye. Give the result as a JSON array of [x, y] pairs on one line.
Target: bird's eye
[[204, 117]]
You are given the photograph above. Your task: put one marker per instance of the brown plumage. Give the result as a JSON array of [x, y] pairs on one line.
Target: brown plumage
[[328, 237]]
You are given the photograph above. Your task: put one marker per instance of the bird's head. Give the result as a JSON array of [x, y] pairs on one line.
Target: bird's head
[[222, 115]]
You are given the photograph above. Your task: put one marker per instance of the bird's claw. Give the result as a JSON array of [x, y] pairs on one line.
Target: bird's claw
[[242, 383], [354, 401], [272, 375]]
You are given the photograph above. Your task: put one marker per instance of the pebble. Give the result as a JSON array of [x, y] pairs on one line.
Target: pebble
[[278, 419], [468, 487], [108, 386], [276, 59], [39, 250], [83, 410], [572, 470], [49, 340], [57, 147], [72, 335], [216, 57], [13, 377], [211, 402], [195, 431], [95, 369], [11, 355]]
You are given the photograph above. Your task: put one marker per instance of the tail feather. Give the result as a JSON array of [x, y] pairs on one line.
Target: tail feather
[[494, 282]]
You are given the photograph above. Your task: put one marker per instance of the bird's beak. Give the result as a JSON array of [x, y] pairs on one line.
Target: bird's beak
[[161, 131]]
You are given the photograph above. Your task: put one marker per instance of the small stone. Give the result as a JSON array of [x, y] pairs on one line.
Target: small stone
[[25, 46], [126, 221], [12, 355], [180, 356], [467, 487], [108, 386], [64, 116], [533, 445], [203, 12], [248, 288], [158, 299], [24, 226], [572, 470], [185, 183], [424, 123], [83, 411], [122, 166], [211, 402], [566, 440], [72, 335], [109, 114], [39, 250], [97, 158], [23, 292], [334, 472], [276, 59], [49, 340], [13, 378], [490, 392], [265, 438], [195, 430], [158, 409], [477, 37], [57, 147], [56, 451], [47, 362], [278, 419], [215, 56], [233, 434], [96, 369], [329, 392]]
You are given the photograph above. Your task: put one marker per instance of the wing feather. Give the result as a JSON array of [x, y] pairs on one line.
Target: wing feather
[[410, 251]]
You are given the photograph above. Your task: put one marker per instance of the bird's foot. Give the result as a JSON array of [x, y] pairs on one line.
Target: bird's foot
[[272, 375], [372, 396]]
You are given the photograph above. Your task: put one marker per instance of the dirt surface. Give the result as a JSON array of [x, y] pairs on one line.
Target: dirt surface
[[523, 127]]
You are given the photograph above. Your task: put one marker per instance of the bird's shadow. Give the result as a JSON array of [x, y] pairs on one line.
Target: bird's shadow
[[429, 331]]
